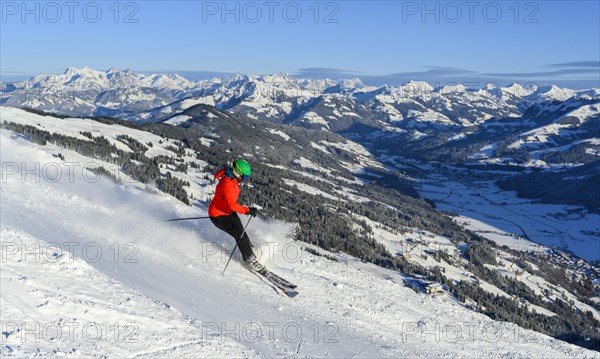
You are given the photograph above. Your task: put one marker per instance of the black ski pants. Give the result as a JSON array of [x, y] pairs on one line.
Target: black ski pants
[[233, 225]]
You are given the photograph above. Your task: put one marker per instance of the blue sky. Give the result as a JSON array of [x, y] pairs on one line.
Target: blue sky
[[539, 42]]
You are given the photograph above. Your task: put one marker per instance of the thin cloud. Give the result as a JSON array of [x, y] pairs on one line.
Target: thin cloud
[[433, 74], [541, 74], [326, 70], [592, 64], [434, 71], [442, 75], [333, 72]]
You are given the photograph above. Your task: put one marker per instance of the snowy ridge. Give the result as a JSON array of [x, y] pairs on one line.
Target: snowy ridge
[[553, 135]]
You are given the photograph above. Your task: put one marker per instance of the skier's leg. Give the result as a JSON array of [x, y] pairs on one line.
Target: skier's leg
[[233, 225], [241, 237]]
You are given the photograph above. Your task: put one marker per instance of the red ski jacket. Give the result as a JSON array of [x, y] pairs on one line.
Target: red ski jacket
[[226, 195]]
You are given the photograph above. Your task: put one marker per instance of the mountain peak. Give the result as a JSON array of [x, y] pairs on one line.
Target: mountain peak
[[553, 93], [519, 90], [453, 89], [416, 87], [80, 71], [352, 83], [71, 71], [171, 80], [280, 77], [239, 77]]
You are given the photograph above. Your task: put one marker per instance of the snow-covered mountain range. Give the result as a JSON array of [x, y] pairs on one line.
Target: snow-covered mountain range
[[278, 97], [488, 124]]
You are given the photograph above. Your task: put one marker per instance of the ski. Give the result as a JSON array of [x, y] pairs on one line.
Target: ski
[[284, 285], [290, 292], [286, 290], [277, 278]]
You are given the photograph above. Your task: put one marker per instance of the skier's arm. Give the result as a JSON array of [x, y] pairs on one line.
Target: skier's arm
[[219, 174], [232, 203]]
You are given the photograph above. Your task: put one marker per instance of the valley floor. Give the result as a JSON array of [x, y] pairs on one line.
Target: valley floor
[[519, 223]]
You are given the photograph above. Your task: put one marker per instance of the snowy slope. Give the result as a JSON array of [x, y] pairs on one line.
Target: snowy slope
[[75, 310], [548, 135], [164, 288]]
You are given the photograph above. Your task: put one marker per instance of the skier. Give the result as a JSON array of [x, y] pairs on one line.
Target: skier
[[223, 212], [224, 209]]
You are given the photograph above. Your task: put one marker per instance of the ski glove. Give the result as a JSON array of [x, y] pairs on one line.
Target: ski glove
[[252, 211]]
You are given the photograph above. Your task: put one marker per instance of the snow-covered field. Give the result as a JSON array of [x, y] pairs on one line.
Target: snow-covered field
[[88, 269], [517, 222]]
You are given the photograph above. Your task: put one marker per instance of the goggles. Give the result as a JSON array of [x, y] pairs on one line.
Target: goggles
[[240, 175]]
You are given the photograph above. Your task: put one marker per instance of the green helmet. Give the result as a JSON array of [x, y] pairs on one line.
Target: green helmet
[[242, 168]]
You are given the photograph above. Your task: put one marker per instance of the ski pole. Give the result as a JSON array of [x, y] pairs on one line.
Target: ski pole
[[236, 245], [184, 219]]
